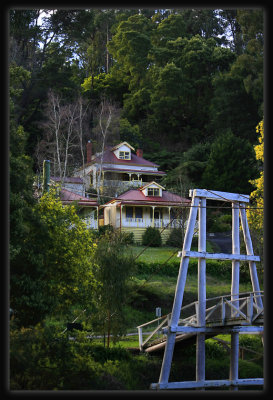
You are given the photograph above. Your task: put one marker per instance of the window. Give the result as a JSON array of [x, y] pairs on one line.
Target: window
[[129, 212], [124, 155], [153, 192], [138, 212]]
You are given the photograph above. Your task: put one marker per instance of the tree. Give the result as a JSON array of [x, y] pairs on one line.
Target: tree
[[191, 166], [231, 164], [130, 46], [54, 270], [20, 173], [65, 133], [255, 213], [105, 131], [233, 32], [231, 106], [112, 271]]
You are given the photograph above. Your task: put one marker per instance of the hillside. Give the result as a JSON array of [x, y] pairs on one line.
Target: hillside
[[182, 86]]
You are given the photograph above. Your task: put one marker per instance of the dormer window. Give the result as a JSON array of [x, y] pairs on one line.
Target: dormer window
[[123, 151], [124, 155], [153, 191]]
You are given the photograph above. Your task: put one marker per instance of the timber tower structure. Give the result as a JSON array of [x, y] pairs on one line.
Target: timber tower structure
[[233, 314]]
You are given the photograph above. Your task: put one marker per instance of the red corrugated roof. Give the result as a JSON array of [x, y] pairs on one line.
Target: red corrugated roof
[[105, 168], [67, 197], [136, 196], [109, 157]]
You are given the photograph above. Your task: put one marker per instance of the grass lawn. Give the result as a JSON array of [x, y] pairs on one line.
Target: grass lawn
[[159, 254]]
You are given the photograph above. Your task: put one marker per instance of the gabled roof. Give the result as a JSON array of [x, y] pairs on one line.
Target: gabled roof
[[122, 144], [151, 183], [137, 197], [110, 158]]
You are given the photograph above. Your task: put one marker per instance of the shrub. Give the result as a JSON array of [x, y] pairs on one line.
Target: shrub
[[42, 359], [220, 269], [175, 238], [105, 228], [152, 237]]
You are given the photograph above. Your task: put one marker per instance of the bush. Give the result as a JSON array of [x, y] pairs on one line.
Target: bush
[[219, 269], [42, 359], [152, 237], [175, 238], [218, 222]]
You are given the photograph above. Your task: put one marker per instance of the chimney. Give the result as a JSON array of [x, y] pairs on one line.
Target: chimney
[[88, 151], [139, 153]]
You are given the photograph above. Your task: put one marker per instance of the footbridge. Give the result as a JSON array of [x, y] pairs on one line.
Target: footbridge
[[245, 314]]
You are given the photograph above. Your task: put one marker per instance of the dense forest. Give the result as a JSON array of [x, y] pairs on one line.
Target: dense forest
[[181, 82], [185, 85]]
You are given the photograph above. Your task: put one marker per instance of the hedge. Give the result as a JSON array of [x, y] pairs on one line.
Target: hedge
[[220, 269]]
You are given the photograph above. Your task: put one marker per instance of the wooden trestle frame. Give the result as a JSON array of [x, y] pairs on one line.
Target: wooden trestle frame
[[198, 205]]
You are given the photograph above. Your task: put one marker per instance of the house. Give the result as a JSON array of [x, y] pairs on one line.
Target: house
[[72, 191], [121, 168], [149, 205]]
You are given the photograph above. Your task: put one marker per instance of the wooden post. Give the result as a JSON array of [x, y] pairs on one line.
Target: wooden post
[[223, 311], [120, 216], [179, 292], [97, 217], [234, 351], [249, 249], [250, 308], [201, 315], [153, 220], [140, 337]]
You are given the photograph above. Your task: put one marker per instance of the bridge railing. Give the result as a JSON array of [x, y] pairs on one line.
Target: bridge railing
[[226, 309], [244, 308]]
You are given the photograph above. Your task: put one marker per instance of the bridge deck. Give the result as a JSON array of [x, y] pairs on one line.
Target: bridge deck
[[226, 314]]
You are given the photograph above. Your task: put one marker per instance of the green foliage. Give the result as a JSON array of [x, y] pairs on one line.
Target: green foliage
[[175, 239], [220, 269], [130, 133], [42, 359], [112, 272], [230, 165], [191, 166], [218, 222], [167, 160], [151, 237], [54, 267], [232, 107]]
